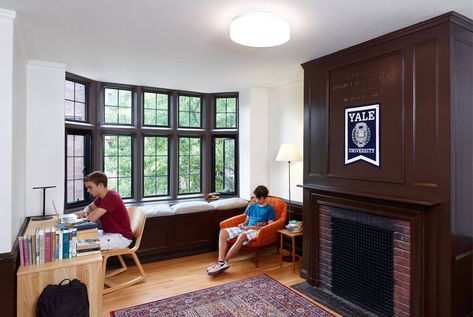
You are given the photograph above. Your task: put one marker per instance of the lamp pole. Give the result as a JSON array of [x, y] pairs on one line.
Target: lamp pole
[[289, 162]]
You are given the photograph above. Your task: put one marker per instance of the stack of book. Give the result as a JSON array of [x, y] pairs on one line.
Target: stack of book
[[87, 239], [294, 226], [59, 242]]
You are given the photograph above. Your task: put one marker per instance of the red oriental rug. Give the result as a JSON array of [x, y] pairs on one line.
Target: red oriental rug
[[256, 296]]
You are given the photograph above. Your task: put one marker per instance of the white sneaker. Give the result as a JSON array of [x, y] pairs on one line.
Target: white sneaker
[[218, 268]]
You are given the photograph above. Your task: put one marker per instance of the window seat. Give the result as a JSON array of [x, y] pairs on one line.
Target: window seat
[[185, 228]]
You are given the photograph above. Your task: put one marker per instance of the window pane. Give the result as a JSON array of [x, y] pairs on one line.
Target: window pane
[[153, 102], [156, 165], [74, 101], [69, 90], [150, 117], [189, 165], [78, 190], [78, 168], [224, 173], [79, 111], [226, 111], [162, 118], [124, 186], [231, 104], [70, 192], [111, 97], [150, 100], [76, 157], [69, 110], [124, 164], [162, 101], [149, 186], [189, 112], [124, 97], [231, 120], [124, 115], [80, 92], [221, 121], [111, 114], [118, 163], [118, 106], [183, 119], [221, 105]]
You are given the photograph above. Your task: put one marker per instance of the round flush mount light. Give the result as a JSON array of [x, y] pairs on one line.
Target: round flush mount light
[[260, 29]]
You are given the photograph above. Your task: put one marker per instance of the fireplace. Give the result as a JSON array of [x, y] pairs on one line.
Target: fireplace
[[365, 259], [404, 171]]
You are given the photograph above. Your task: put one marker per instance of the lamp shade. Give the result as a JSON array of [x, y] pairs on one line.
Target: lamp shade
[[260, 29], [289, 152]]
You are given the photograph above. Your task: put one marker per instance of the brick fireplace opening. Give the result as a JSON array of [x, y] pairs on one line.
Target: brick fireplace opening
[[366, 259]]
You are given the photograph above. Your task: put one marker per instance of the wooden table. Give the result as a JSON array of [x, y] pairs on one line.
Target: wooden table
[[31, 280], [292, 235]]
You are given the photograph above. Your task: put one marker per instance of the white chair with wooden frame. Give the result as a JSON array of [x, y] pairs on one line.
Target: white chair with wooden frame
[[137, 222]]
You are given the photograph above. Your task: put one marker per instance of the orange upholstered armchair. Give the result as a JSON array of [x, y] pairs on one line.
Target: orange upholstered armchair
[[268, 234]]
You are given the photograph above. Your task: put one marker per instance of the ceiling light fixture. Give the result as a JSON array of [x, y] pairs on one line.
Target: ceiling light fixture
[[260, 29]]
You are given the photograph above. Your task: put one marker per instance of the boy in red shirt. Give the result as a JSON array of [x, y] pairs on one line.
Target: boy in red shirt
[[109, 209]]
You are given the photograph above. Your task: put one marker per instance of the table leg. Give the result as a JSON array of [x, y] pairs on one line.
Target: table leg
[[293, 254], [280, 250]]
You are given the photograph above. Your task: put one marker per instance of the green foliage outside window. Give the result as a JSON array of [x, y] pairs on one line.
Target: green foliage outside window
[[226, 113], [156, 166], [189, 165], [189, 112], [118, 106], [156, 109], [118, 163], [224, 165]]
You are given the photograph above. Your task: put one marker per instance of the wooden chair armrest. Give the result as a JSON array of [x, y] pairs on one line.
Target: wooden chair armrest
[[233, 221]]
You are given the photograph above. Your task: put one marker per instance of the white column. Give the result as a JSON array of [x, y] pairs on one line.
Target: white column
[[7, 18], [45, 141], [253, 136], [287, 115]]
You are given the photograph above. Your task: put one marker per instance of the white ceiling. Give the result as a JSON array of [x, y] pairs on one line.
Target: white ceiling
[[184, 44]]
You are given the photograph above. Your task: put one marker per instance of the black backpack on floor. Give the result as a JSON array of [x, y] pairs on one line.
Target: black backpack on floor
[[64, 300]]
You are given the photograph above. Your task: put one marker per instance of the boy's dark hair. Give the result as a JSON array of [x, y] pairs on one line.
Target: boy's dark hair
[[97, 177], [261, 191]]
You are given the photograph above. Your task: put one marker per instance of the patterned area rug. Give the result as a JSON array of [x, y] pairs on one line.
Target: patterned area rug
[[256, 296]]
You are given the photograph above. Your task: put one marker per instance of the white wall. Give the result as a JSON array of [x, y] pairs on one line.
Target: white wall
[[286, 125], [253, 116], [45, 144], [19, 132], [6, 141]]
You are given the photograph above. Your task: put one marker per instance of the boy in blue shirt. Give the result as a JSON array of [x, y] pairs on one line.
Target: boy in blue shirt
[[258, 215]]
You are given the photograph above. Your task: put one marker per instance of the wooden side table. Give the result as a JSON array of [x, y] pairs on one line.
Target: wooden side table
[[292, 235]]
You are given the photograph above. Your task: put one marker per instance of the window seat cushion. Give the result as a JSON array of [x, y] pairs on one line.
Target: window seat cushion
[[191, 207], [229, 203], [158, 210]]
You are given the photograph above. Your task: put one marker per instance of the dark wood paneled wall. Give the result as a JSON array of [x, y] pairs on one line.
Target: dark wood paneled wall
[[9, 263], [422, 78]]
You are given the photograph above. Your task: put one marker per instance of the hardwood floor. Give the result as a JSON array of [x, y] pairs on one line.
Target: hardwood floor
[[177, 276]]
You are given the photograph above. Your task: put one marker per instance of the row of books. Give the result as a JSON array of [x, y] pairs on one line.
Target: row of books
[[57, 243]]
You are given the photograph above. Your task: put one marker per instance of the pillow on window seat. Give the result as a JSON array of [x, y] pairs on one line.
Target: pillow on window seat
[[229, 203], [157, 210], [191, 206]]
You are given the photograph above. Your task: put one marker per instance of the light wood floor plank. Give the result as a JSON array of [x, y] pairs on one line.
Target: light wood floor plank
[[177, 276]]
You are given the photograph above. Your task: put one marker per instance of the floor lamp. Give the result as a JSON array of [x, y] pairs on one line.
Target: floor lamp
[[290, 153]]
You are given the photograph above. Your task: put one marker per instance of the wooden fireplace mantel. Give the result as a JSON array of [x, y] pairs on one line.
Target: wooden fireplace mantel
[[376, 197]]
